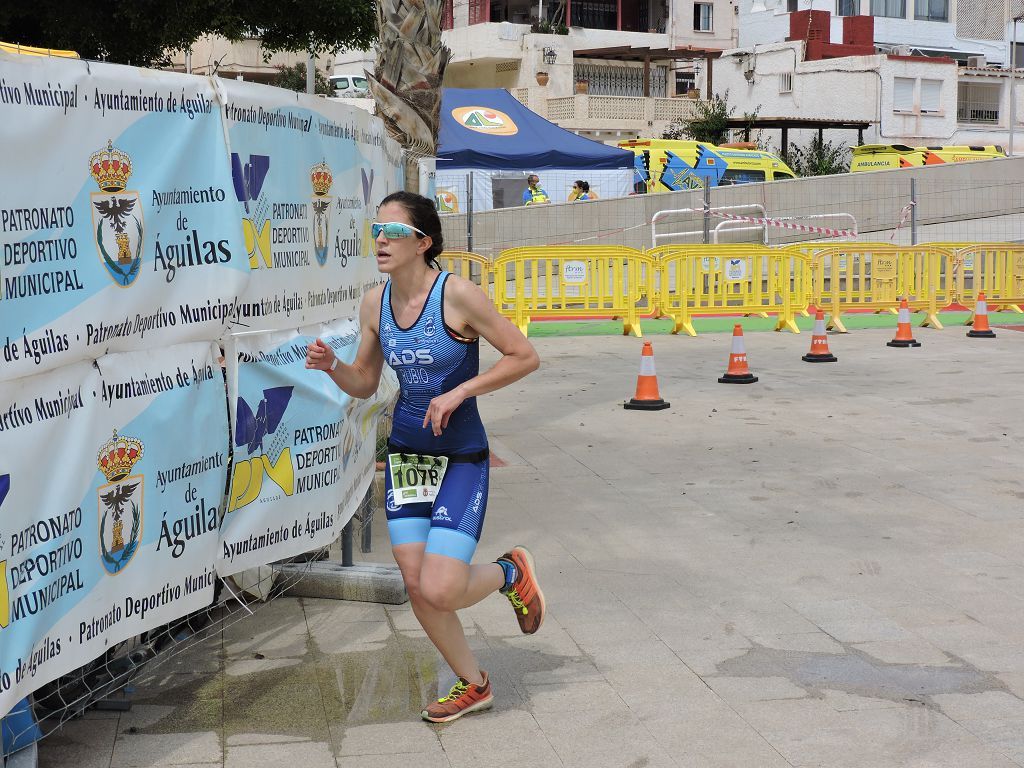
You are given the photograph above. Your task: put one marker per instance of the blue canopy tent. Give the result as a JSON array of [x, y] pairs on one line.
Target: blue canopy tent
[[490, 137]]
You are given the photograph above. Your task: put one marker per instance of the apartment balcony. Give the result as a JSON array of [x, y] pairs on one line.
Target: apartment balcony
[[613, 116], [618, 15]]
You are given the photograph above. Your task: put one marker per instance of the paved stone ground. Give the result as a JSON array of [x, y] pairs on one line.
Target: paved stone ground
[[821, 569]]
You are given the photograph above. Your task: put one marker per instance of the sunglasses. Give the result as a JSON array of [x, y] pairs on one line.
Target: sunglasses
[[394, 230]]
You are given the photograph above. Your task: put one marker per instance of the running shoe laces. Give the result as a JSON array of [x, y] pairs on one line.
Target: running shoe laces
[[460, 688], [517, 602]]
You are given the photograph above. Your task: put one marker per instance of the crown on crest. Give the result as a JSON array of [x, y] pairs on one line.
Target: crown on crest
[[320, 175], [118, 455], [111, 168]]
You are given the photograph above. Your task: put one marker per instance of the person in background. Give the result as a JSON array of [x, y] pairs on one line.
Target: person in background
[[534, 194], [588, 193], [577, 190]]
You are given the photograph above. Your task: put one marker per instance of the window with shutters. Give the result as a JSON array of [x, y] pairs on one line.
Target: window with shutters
[[931, 95], [903, 94], [895, 9], [448, 15]]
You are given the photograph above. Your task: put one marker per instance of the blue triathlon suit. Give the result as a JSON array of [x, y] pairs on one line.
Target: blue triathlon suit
[[431, 359]]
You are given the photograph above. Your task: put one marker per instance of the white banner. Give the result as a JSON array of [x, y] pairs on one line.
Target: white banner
[[303, 454], [117, 218], [111, 480], [308, 176]]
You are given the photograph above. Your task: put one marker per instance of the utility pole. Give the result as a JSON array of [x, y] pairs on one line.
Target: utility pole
[[1013, 81]]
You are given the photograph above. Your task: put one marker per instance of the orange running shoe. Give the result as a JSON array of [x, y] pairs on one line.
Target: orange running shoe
[[525, 594], [464, 697]]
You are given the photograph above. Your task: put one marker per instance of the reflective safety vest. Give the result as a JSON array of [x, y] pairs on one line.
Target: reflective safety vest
[[536, 196]]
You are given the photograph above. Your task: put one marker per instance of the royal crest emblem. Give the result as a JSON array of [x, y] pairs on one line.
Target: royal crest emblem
[[321, 178], [116, 215], [119, 502]]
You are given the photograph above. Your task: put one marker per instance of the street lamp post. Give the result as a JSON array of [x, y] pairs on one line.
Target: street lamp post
[[1013, 81]]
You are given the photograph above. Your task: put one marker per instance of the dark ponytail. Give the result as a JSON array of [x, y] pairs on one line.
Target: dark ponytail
[[424, 217]]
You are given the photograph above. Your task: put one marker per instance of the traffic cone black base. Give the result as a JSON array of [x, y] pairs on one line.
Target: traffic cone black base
[[829, 358], [989, 334], [903, 343], [645, 405], [737, 378]]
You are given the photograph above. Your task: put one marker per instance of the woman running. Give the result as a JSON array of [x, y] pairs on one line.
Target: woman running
[[427, 325]]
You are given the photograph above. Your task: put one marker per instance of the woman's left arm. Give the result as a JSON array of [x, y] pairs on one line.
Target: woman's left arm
[[518, 357]]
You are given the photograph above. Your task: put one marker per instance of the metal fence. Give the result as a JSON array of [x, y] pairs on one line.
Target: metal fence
[[972, 202]]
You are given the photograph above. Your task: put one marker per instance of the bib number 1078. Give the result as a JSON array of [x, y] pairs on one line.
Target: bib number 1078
[[415, 478]]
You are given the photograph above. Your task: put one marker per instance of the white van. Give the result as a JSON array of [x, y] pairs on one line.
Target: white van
[[350, 86]]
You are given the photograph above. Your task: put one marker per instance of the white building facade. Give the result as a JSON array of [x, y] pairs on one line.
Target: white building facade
[[533, 50], [944, 80]]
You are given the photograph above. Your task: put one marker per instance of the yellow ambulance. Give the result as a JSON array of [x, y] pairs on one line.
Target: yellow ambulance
[[668, 165], [873, 157]]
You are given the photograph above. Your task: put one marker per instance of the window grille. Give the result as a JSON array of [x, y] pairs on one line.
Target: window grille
[[978, 102], [621, 81]]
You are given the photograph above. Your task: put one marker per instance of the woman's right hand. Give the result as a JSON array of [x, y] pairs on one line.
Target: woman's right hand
[[319, 356]]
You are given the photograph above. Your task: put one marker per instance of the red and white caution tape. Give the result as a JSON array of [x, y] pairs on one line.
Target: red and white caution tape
[[784, 224], [904, 215]]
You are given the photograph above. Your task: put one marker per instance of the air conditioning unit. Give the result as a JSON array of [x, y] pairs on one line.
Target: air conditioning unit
[[977, 62], [902, 50]]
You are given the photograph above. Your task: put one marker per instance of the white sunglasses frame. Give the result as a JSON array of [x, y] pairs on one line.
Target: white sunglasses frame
[[401, 223]]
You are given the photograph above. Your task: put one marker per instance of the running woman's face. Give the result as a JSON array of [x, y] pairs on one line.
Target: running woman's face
[[397, 252]]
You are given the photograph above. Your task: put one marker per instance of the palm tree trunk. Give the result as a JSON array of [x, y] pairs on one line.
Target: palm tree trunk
[[406, 83]]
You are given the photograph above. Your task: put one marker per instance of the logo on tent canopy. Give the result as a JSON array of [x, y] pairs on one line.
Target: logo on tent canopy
[[484, 120]]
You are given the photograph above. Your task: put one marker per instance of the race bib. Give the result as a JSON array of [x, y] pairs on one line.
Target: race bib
[[415, 478]]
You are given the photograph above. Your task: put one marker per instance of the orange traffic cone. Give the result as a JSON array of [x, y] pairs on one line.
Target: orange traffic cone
[[904, 335], [819, 342], [737, 372], [647, 397], [981, 329]]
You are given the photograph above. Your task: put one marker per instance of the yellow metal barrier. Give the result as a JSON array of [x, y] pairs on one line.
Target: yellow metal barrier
[[995, 268], [571, 281], [731, 279], [471, 266], [875, 276]]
